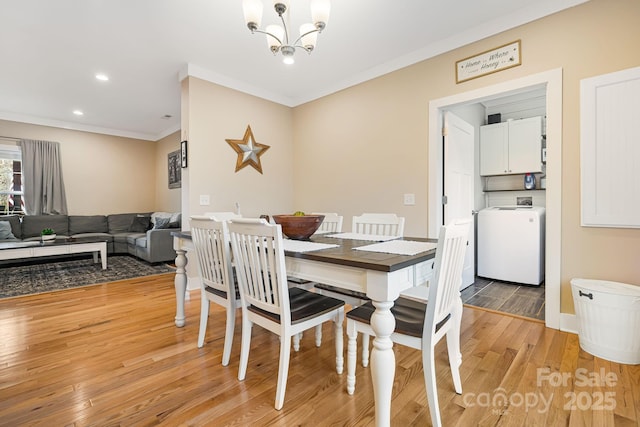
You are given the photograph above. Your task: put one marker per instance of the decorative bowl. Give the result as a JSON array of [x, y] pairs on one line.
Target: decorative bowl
[[45, 237], [298, 227]]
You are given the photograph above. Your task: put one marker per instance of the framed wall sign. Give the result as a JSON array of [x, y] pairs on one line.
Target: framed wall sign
[[183, 154], [174, 172], [488, 62]]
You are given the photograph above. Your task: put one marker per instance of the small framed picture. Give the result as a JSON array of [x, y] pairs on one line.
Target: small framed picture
[[174, 172], [183, 153]]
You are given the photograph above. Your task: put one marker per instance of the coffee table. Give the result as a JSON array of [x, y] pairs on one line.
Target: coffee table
[[36, 248]]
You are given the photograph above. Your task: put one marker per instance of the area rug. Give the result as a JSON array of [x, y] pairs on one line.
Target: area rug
[[64, 274]]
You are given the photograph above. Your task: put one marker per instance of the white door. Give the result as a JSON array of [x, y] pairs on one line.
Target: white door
[[459, 175]]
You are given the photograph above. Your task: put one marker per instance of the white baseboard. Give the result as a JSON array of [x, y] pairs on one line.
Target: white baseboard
[[569, 323], [193, 283]]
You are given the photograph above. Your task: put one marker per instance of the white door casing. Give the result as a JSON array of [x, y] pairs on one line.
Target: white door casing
[[552, 82]]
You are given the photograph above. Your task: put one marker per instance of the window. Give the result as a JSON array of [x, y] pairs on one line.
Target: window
[[11, 200]]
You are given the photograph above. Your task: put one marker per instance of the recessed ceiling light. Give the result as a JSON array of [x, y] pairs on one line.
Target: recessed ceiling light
[[78, 113], [102, 77]]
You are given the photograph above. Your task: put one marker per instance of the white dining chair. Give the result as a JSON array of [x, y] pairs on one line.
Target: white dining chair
[[420, 325], [382, 224], [212, 248], [267, 300], [222, 216], [332, 222]]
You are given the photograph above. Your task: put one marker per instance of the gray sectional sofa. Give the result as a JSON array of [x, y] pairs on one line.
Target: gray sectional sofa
[[145, 235]]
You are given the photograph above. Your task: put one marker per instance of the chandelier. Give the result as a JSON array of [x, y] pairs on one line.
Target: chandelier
[[278, 37]]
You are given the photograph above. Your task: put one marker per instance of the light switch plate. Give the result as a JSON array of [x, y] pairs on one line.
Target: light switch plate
[[409, 199]]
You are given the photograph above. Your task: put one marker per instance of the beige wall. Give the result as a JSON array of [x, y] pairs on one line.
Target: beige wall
[[167, 199], [361, 149], [210, 115], [103, 174]]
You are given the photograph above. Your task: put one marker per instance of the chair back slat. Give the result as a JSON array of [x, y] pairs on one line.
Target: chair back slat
[[447, 276], [381, 224], [260, 267], [211, 243], [223, 215], [332, 222]]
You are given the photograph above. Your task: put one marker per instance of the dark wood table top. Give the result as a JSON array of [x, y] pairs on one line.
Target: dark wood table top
[[345, 255]]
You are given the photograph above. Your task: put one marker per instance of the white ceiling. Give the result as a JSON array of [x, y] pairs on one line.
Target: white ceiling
[[50, 52]]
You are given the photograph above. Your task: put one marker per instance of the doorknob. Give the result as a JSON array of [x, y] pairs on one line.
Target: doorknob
[[474, 212]]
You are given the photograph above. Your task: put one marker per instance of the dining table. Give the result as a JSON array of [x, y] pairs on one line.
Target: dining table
[[379, 266]]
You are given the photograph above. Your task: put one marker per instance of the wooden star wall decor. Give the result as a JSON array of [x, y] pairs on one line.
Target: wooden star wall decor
[[249, 150]]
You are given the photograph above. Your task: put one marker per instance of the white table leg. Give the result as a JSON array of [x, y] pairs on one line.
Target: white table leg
[[102, 251], [180, 283], [383, 360], [103, 256]]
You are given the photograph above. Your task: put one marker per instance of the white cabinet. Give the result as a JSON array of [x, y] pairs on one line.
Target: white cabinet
[[511, 147]]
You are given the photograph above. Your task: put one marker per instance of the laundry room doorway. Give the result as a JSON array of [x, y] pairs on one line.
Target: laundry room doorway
[[550, 83]]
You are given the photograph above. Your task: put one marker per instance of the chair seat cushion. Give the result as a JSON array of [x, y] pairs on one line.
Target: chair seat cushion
[[222, 294], [304, 305], [409, 316]]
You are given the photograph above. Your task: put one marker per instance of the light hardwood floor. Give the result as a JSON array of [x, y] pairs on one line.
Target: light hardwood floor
[[110, 355]]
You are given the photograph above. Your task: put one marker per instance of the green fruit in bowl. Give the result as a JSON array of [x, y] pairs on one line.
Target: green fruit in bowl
[[298, 213]]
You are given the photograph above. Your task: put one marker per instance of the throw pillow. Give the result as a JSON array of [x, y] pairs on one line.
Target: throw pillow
[[156, 215], [161, 223], [175, 221], [5, 231], [140, 224]]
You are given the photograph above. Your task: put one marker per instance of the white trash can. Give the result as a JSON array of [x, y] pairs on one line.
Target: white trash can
[[608, 319]]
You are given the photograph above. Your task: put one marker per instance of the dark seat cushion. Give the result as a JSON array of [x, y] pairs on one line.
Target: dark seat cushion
[[409, 315], [304, 305], [221, 294]]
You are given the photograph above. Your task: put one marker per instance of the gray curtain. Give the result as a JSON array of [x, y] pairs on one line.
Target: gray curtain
[[42, 181]]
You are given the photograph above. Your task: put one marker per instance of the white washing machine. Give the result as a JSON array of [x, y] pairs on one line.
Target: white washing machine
[[511, 244]]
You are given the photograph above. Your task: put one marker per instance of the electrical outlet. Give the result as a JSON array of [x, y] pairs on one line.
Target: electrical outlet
[[409, 199], [204, 200]]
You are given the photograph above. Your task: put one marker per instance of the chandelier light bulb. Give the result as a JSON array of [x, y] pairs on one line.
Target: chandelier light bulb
[[275, 36], [308, 36], [287, 53], [252, 13], [320, 10]]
